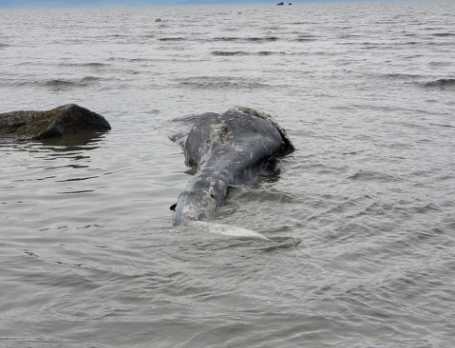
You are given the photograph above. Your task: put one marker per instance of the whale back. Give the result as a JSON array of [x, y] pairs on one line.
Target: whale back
[[240, 136]]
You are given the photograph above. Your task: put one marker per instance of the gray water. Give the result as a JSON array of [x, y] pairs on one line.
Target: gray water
[[88, 254]]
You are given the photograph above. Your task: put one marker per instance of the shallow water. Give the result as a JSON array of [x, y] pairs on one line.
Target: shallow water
[[89, 257]]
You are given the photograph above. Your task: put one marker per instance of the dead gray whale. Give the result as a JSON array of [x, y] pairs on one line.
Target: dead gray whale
[[66, 120], [223, 150]]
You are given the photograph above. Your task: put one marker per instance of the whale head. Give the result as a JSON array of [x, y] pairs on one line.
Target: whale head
[[199, 202]]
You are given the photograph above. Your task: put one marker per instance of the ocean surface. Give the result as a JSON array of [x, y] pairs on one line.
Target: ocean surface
[[88, 253]]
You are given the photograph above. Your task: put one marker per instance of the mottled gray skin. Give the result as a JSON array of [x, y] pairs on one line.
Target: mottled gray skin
[[68, 119], [224, 150]]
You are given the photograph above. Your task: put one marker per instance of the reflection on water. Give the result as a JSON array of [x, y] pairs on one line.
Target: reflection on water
[[75, 146]]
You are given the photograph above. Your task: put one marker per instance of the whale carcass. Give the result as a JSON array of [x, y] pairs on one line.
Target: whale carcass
[[223, 150]]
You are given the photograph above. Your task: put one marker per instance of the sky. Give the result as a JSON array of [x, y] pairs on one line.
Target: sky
[[14, 3], [76, 3]]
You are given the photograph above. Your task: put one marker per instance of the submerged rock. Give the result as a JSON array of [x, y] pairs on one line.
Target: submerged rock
[[66, 120]]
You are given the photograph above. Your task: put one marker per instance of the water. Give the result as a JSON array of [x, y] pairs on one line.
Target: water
[[366, 91]]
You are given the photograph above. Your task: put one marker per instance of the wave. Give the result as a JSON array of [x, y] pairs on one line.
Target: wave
[[177, 38], [443, 34], [368, 175], [440, 63], [244, 53], [249, 39], [246, 39], [2, 45], [441, 83], [57, 83], [269, 53], [401, 76], [54, 84], [230, 53], [133, 60], [220, 82], [306, 38], [86, 65], [83, 82]]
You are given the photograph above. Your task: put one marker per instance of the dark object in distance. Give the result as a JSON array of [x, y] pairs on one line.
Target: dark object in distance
[[224, 150], [66, 120], [280, 3]]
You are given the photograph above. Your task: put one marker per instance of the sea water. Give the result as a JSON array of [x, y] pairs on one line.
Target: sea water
[[366, 91]]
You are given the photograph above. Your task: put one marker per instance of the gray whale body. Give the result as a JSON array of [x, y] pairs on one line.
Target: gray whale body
[[223, 150]]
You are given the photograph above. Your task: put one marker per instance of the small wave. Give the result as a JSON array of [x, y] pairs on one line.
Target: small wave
[[439, 64], [220, 82], [177, 38], [244, 53], [230, 53], [441, 83], [443, 34], [306, 38], [368, 175], [59, 84], [269, 53], [78, 179], [86, 65], [75, 192], [401, 76], [262, 39], [345, 36], [2, 45], [90, 79], [430, 207], [133, 60], [442, 125], [246, 39], [282, 243]]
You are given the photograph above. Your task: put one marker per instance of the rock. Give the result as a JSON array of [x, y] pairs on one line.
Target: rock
[[66, 120], [158, 20]]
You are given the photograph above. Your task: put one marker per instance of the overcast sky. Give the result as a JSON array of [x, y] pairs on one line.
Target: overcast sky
[[13, 3], [123, 2], [84, 3]]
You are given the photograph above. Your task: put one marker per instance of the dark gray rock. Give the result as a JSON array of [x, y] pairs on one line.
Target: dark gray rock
[[66, 120]]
